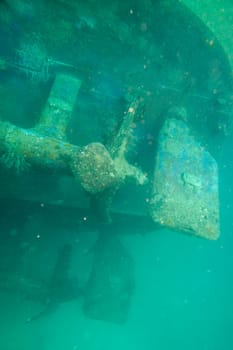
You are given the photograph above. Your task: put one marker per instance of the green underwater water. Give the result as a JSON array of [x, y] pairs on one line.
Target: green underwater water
[[60, 262]]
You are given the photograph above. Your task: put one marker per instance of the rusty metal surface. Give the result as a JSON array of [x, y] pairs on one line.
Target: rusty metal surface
[[185, 186]]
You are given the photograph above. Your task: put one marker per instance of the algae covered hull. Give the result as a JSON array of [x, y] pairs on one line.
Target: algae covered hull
[[94, 124]]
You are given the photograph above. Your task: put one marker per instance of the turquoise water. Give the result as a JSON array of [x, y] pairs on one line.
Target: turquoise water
[[182, 296], [69, 279]]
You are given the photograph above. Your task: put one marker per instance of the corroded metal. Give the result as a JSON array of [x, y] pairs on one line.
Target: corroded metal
[[95, 168], [120, 142], [45, 144], [59, 107], [92, 164], [185, 186]]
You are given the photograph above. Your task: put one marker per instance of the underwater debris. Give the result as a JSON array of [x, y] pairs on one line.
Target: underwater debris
[[118, 148], [59, 106], [95, 169], [15, 161], [45, 144], [185, 186], [11, 159], [32, 59]]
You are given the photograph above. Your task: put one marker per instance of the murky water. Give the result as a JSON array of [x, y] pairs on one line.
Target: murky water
[[82, 264]]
